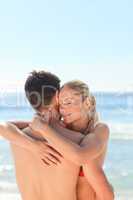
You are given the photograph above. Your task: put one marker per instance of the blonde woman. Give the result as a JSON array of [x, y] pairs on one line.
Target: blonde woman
[[78, 111]]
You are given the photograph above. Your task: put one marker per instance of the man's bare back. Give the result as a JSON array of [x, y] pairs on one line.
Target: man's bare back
[[38, 182]]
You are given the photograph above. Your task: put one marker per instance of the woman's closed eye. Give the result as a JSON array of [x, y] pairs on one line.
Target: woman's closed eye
[[67, 103]]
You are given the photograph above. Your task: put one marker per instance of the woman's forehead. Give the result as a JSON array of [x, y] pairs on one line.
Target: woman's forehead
[[68, 93]]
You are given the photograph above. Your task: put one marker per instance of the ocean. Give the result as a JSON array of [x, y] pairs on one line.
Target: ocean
[[116, 109]]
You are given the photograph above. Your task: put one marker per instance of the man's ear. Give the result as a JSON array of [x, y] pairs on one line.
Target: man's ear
[[57, 97]]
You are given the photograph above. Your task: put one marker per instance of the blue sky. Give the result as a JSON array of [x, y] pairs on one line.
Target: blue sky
[[88, 40]]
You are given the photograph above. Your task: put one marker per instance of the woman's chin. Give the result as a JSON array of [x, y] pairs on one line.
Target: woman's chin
[[67, 121]]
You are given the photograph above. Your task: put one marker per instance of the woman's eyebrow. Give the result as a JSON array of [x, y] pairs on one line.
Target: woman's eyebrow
[[76, 93], [70, 98]]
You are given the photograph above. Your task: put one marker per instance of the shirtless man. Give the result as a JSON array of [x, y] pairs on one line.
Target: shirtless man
[[37, 181]]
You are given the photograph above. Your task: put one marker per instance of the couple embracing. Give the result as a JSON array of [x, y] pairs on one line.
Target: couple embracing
[[59, 154]]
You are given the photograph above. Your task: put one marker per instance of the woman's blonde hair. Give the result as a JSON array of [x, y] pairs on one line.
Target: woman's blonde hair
[[83, 89]]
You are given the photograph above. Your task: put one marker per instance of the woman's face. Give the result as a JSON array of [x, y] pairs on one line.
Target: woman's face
[[71, 105]]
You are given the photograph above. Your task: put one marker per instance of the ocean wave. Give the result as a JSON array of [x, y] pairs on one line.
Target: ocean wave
[[121, 131], [8, 187], [5, 196], [7, 168]]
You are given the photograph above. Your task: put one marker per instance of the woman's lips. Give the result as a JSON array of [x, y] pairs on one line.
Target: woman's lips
[[68, 115]]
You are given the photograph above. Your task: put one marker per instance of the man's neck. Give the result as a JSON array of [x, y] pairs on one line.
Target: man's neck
[[36, 135]]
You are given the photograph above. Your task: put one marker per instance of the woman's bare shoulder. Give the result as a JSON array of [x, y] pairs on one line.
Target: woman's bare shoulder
[[103, 128]]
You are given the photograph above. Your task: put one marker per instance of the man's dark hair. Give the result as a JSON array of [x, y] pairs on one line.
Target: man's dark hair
[[41, 87]]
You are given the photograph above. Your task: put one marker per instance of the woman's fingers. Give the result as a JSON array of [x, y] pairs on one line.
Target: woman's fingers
[[50, 158], [54, 155], [53, 159], [48, 154], [52, 150], [44, 162], [45, 148], [50, 161]]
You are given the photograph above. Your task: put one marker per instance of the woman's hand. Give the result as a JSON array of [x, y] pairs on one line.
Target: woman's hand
[[47, 154]]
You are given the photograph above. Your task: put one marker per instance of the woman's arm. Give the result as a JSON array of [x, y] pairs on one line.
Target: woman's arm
[[72, 151], [74, 136], [92, 171], [14, 135], [41, 149], [98, 180]]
